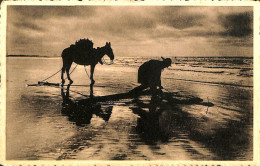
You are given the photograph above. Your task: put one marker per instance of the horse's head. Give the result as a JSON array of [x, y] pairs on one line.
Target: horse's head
[[109, 52]]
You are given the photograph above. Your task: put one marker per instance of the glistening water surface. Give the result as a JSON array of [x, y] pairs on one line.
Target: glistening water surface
[[40, 124]]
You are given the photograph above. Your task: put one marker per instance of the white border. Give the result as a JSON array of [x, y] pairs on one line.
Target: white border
[[256, 98]]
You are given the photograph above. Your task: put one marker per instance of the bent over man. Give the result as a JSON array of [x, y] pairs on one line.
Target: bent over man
[[149, 74]]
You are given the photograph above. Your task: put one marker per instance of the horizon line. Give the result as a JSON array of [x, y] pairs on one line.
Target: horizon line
[[44, 56]]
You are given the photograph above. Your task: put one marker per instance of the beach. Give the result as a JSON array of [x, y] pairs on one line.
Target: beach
[[38, 129]]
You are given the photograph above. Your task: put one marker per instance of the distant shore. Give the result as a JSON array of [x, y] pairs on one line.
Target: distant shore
[[26, 56]]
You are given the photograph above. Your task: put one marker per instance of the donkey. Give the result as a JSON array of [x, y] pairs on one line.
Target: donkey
[[81, 53]]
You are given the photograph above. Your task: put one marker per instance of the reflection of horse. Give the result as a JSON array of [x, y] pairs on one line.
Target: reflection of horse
[[83, 53], [81, 112]]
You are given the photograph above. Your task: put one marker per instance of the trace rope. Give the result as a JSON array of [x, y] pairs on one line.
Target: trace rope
[[72, 70], [51, 75], [75, 92], [86, 71], [57, 73]]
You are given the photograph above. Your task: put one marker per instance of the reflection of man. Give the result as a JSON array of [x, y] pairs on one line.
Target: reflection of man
[[149, 73], [148, 122]]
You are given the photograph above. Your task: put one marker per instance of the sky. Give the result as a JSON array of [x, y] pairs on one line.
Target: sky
[[132, 30]]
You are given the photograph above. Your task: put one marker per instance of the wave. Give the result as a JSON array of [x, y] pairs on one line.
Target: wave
[[217, 72], [226, 67], [241, 67], [213, 83]]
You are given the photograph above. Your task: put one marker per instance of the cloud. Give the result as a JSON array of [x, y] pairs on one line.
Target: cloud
[[45, 12], [237, 25], [144, 29], [29, 25], [179, 17]]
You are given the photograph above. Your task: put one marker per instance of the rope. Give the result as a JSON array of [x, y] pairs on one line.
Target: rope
[[66, 78], [51, 75], [78, 93], [86, 71], [57, 73], [73, 91], [72, 70]]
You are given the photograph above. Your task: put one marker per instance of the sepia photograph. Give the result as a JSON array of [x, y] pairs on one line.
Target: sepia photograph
[[129, 83]]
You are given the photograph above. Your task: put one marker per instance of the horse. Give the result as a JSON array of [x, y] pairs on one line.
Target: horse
[[81, 53]]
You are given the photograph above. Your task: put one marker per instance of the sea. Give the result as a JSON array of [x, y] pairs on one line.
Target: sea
[[41, 126]]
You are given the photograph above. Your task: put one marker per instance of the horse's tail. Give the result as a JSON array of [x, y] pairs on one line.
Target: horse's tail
[[66, 57], [65, 52]]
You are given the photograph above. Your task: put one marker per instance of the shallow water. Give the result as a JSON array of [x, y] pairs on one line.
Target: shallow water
[[40, 124]]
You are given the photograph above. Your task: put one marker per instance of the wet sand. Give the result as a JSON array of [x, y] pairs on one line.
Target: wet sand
[[39, 126]]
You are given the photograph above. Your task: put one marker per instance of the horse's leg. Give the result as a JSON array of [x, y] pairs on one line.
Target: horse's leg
[[65, 60], [92, 68], [67, 71], [63, 68], [62, 72]]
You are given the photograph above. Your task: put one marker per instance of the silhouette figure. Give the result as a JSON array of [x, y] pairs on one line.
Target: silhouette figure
[[83, 53], [149, 74], [81, 112], [148, 123]]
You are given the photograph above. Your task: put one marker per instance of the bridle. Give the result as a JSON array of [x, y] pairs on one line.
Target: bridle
[[104, 61]]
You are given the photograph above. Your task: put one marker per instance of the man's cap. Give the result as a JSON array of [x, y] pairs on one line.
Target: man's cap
[[167, 61]]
